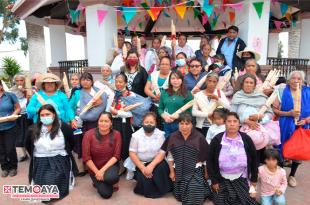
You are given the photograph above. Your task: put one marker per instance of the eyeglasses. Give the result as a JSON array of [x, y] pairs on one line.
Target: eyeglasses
[[194, 66]]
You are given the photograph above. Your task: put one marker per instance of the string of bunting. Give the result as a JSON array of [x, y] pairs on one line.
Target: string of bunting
[[205, 9]]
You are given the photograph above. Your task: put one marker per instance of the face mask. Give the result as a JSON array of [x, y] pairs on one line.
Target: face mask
[[219, 64], [148, 128], [132, 62], [180, 62], [47, 120]]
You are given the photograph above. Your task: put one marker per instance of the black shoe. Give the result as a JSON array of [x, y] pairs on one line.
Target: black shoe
[[5, 173], [24, 158], [13, 172], [82, 174]]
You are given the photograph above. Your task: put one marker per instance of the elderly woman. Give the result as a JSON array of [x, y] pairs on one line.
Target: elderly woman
[[151, 171], [196, 73], [8, 132], [49, 94], [151, 57], [206, 59], [23, 123], [136, 74], [245, 55], [187, 152], [284, 108], [247, 103], [49, 143], [205, 98], [231, 164], [101, 153]]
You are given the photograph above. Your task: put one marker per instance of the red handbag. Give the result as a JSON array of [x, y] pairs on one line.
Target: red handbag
[[298, 146]]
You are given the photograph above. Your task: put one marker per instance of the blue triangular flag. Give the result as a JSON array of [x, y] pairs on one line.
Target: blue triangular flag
[[284, 8], [207, 8], [129, 13]]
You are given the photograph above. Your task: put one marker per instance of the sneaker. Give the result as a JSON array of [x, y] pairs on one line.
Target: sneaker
[[24, 158], [13, 172], [4, 173], [130, 175], [292, 181]]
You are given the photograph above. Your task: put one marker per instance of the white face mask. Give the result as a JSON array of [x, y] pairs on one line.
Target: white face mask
[[180, 62]]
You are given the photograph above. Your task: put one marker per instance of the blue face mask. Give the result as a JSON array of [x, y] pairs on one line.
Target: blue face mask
[[180, 62], [47, 120]]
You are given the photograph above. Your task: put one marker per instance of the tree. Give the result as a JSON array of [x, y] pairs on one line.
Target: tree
[[10, 68], [280, 49], [9, 26]]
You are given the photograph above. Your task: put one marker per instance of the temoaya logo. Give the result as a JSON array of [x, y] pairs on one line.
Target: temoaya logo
[[32, 192]]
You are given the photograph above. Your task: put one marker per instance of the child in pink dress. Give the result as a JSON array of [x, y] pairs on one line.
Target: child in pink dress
[[272, 179]]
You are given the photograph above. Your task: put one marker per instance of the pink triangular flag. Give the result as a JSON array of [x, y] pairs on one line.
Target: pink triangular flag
[[278, 24], [101, 14], [80, 7], [237, 6], [204, 19]]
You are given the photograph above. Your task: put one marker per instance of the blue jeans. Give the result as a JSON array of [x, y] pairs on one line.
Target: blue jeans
[[169, 128], [278, 200]]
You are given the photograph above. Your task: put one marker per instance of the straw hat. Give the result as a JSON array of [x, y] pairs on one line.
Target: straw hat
[[257, 55], [48, 78]]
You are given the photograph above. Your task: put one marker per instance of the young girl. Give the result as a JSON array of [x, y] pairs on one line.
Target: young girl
[[172, 99], [273, 179], [218, 126]]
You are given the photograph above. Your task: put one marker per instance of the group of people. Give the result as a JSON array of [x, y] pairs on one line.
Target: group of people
[[159, 116]]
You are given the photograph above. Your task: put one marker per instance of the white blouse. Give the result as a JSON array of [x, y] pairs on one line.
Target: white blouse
[[46, 147], [146, 147]]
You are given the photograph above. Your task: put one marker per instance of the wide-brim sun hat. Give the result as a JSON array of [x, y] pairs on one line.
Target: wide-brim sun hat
[[256, 55], [48, 78]]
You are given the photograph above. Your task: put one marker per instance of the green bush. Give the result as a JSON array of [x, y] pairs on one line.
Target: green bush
[[10, 67]]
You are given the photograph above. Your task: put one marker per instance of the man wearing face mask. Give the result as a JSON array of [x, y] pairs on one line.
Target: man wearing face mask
[[230, 46], [245, 55]]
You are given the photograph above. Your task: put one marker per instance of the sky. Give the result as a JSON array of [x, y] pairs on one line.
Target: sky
[[75, 47]]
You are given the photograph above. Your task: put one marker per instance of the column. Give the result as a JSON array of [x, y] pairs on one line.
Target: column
[[36, 48], [100, 38], [58, 44], [273, 41], [254, 30], [85, 47], [304, 36]]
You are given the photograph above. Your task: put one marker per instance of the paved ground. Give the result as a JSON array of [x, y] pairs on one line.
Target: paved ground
[[84, 193]]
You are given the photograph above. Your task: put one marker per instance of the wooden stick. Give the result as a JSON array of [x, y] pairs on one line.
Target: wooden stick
[[200, 83], [221, 84], [268, 103], [66, 84], [40, 99], [90, 104], [9, 118], [139, 46], [163, 41], [236, 73], [184, 108], [115, 43], [124, 51], [5, 87], [297, 102], [28, 86], [133, 106]]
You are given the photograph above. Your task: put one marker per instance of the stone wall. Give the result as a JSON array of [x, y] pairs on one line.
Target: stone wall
[[36, 48]]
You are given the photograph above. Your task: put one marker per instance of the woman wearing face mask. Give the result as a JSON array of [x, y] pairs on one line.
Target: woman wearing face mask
[[181, 64], [136, 74], [151, 171], [219, 59], [206, 97], [49, 85], [122, 115], [49, 143], [172, 99], [101, 153], [245, 55], [89, 119]]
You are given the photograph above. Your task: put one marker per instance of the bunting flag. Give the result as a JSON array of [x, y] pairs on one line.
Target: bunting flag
[[80, 7], [278, 24], [284, 8], [166, 14], [237, 6], [145, 6], [196, 13], [294, 23], [75, 15], [140, 25], [129, 13], [154, 12], [207, 8], [232, 15], [215, 19], [180, 10], [259, 8], [204, 19], [101, 14], [288, 16]]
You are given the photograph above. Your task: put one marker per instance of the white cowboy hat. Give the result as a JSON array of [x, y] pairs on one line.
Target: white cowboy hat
[[48, 78], [257, 55]]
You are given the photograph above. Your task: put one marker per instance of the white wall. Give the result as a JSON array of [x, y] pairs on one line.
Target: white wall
[[273, 40], [58, 44], [304, 51]]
